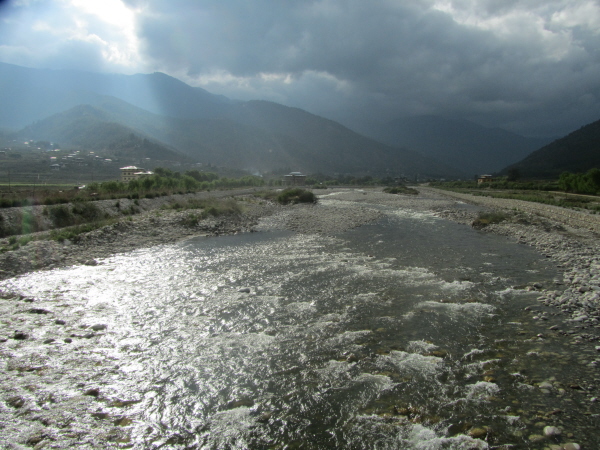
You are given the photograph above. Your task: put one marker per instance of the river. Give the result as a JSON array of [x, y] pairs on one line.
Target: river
[[407, 333]]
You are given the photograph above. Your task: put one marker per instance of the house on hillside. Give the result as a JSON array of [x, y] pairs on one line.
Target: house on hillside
[[485, 179], [132, 172], [294, 179]]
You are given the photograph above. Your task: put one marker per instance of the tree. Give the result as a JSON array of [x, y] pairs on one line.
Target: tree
[[513, 174]]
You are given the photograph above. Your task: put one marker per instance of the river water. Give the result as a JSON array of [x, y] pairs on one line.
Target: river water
[[409, 333]]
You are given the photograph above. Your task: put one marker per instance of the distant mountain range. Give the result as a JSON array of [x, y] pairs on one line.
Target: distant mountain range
[[256, 135], [159, 117], [577, 152], [472, 148]]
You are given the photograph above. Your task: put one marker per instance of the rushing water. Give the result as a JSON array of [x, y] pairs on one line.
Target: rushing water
[[404, 334]]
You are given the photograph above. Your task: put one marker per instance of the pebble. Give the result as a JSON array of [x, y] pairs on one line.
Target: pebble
[[94, 392], [536, 438], [551, 431], [20, 335], [478, 433]]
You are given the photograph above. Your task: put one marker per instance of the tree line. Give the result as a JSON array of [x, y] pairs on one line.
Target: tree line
[[166, 180], [581, 183]]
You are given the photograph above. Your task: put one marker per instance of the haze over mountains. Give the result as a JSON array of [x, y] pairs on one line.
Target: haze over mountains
[[474, 148], [174, 121]]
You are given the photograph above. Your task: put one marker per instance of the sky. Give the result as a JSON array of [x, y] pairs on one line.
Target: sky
[[529, 66]]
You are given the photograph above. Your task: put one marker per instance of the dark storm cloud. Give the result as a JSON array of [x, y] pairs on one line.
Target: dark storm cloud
[[530, 65], [503, 62]]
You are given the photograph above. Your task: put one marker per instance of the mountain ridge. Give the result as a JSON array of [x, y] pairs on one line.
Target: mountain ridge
[[577, 152], [463, 144], [256, 134]]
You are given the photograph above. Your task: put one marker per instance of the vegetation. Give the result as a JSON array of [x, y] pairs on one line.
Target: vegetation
[[401, 190], [72, 233], [503, 183], [576, 152], [581, 183], [210, 206], [487, 218], [540, 191], [296, 195]]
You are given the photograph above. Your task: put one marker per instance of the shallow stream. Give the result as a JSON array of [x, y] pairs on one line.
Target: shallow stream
[[409, 333]]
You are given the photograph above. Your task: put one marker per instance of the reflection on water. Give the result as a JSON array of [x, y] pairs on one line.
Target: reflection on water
[[401, 334]]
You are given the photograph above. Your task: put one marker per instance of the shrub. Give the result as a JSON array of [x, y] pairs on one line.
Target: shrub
[[61, 216], [87, 212], [487, 218], [296, 195], [191, 220], [401, 190]]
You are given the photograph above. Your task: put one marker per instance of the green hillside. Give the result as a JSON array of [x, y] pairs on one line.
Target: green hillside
[[577, 152], [89, 128]]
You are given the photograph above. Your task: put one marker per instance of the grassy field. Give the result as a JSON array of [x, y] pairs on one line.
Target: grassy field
[[563, 199]]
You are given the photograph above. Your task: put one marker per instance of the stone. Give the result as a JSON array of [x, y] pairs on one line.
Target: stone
[[571, 446], [552, 431], [20, 335], [68, 340], [478, 433], [94, 392], [60, 322], [99, 327], [536, 438], [16, 402], [245, 290]]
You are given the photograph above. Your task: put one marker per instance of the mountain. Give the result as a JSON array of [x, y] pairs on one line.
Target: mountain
[[91, 128], [266, 136], [256, 135], [472, 148], [27, 95], [577, 152]]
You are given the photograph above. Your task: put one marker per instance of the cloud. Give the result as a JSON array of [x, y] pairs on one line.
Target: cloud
[[76, 34], [498, 61], [530, 65]]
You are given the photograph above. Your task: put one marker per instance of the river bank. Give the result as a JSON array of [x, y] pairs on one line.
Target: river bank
[[62, 367]]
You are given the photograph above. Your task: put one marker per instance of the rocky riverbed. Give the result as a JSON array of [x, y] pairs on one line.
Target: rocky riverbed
[[574, 249], [42, 343]]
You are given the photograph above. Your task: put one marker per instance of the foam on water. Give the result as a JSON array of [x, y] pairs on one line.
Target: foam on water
[[459, 309], [413, 363], [422, 216]]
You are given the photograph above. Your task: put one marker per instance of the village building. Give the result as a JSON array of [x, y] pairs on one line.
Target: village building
[[294, 179], [132, 172], [485, 179]]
